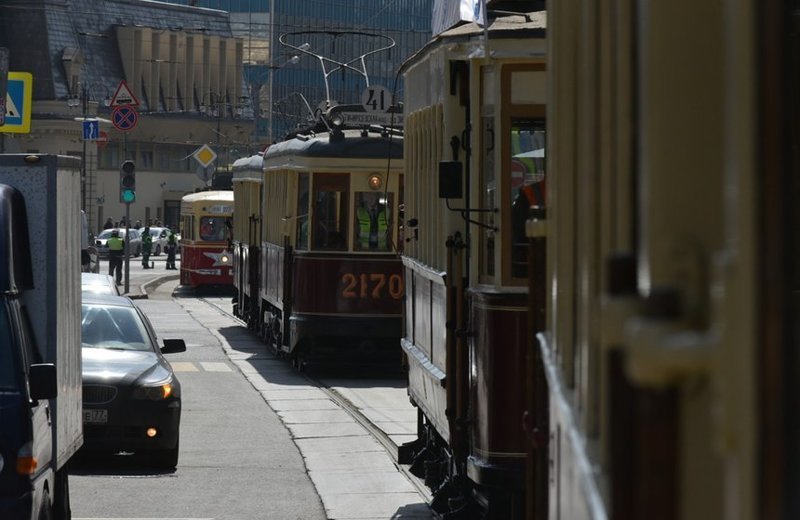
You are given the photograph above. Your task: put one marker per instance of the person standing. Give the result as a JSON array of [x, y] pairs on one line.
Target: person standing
[[147, 247], [372, 223], [109, 224], [172, 245], [116, 249]]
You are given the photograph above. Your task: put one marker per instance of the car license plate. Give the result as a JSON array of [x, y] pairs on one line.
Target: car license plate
[[95, 416]]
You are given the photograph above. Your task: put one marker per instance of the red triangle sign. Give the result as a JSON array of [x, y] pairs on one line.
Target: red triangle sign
[[124, 96]]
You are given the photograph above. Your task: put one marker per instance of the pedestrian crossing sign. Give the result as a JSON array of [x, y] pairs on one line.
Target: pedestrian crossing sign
[[18, 103]]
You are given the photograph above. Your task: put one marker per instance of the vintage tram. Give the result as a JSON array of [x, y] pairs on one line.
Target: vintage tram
[[205, 238], [671, 338], [323, 250], [246, 240], [474, 149], [318, 234]]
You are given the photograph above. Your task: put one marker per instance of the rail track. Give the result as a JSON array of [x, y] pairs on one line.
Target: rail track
[[351, 409]]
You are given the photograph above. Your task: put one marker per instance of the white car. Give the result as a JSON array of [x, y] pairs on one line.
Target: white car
[[98, 284], [135, 245], [160, 235]]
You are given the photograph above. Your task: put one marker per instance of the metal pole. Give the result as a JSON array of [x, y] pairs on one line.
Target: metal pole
[[272, 43], [127, 246], [85, 100], [127, 223]]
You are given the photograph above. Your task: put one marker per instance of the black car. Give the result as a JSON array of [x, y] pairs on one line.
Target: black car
[[131, 397]]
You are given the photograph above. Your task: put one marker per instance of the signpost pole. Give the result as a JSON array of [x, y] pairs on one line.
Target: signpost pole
[[127, 223], [127, 246]]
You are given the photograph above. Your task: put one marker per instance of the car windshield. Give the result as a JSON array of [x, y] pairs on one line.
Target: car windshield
[[9, 356], [106, 233], [113, 327]]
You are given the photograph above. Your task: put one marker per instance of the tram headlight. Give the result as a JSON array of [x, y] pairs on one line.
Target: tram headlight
[[224, 258], [375, 182]]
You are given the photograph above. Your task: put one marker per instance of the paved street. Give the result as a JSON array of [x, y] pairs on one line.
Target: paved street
[[258, 440]]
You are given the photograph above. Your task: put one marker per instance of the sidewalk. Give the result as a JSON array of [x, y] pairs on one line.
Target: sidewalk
[[355, 477]]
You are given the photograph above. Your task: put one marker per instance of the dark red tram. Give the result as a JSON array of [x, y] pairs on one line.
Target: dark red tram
[[323, 249]]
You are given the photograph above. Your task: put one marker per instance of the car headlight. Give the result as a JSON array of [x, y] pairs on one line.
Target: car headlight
[[156, 392]]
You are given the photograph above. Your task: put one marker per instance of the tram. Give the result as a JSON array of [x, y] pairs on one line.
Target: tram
[[246, 240], [318, 226], [205, 239], [643, 363], [670, 344], [323, 251], [474, 151]]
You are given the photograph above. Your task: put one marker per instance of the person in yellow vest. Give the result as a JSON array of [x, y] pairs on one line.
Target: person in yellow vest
[[116, 249], [372, 223]]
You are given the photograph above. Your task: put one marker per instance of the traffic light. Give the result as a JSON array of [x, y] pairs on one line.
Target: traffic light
[[127, 182]]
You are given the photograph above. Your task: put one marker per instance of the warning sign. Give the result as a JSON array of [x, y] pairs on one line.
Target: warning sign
[[124, 96]]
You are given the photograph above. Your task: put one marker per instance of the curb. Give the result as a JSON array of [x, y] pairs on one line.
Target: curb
[[152, 284]]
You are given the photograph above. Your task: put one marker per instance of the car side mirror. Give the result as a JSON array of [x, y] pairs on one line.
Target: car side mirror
[[173, 346], [43, 384]]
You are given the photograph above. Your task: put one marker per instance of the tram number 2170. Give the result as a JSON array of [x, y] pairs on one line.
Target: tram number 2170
[[372, 285]]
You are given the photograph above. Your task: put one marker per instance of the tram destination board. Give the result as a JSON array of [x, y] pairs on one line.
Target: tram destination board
[[373, 118]]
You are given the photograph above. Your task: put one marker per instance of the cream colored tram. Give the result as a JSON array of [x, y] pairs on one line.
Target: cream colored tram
[[475, 119], [246, 242], [671, 343]]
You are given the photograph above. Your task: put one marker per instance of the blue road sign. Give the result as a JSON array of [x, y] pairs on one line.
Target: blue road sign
[[91, 130], [18, 103]]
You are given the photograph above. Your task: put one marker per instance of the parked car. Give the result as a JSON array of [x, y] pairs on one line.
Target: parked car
[[135, 244], [131, 396], [98, 284], [159, 235]]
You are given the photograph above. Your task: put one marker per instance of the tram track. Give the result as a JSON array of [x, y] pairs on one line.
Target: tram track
[[355, 413]]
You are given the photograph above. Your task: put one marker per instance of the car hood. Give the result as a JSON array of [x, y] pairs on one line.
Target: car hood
[[123, 366]]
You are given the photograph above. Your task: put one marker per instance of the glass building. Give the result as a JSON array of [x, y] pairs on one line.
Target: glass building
[[287, 85]]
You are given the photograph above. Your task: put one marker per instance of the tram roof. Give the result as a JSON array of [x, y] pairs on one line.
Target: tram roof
[[222, 195], [532, 24], [353, 146], [248, 168]]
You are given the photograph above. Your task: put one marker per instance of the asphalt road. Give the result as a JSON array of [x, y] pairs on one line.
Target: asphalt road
[[237, 459], [258, 440]]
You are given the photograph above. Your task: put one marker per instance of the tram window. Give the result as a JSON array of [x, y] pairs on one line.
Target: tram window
[[527, 185], [329, 220], [213, 228], [302, 211], [373, 220], [488, 182]]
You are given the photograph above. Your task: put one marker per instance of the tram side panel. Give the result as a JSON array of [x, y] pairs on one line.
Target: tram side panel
[[424, 343], [354, 298]]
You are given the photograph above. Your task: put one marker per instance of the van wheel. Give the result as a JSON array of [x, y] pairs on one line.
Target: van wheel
[[46, 511], [61, 506]]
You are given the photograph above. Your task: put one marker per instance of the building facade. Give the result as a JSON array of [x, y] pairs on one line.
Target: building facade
[[284, 83], [184, 69]]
